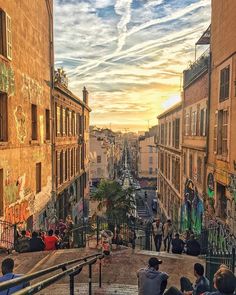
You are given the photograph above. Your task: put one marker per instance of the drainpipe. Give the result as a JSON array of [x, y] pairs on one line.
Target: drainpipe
[[51, 57]]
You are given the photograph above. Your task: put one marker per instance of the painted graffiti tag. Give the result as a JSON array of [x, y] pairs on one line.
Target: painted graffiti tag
[[19, 212], [32, 90], [20, 123], [7, 81]]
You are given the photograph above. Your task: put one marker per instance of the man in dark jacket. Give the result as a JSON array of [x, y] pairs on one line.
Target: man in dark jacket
[[177, 245], [23, 243], [193, 248], [36, 243], [187, 288], [151, 281]]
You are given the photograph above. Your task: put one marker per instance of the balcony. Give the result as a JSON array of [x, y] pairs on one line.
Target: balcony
[[197, 68]]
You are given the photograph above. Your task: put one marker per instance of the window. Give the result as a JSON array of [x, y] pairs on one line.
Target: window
[[77, 159], [162, 162], [72, 162], [58, 114], [1, 193], [222, 132], [187, 124], [3, 117], [77, 123], [224, 83], [199, 170], [203, 122], [150, 170], [150, 160], [150, 149], [165, 136], [69, 123], [38, 177], [194, 123], [64, 121], [177, 174], [47, 121], [215, 132], [177, 131], [168, 167], [173, 171], [5, 35], [73, 123], [66, 165], [99, 159], [34, 134], [173, 133], [61, 120], [162, 133], [61, 167], [169, 133], [185, 164], [191, 166]]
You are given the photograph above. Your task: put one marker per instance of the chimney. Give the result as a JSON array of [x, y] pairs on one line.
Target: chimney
[[85, 95]]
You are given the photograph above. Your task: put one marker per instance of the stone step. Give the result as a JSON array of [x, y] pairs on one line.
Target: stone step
[[82, 289]]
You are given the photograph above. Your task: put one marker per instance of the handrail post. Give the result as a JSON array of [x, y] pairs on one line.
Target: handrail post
[[100, 273], [97, 219], [90, 279], [72, 286]]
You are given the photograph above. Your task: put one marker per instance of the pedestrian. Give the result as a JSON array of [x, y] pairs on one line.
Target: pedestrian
[[193, 248], [224, 282], [51, 241], [8, 274], [132, 238], [23, 244], [36, 243], [167, 235], [157, 233], [151, 281], [69, 230], [187, 288], [177, 245]]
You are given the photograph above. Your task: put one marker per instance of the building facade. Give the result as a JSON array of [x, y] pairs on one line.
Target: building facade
[[147, 157], [71, 150], [194, 142], [169, 163], [26, 60], [221, 168]]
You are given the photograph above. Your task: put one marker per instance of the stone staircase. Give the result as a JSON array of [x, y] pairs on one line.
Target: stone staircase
[[119, 272]]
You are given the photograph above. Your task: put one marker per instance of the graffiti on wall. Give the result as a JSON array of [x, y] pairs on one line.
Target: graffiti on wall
[[31, 90], [232, 186], [7, 80], [192, 208], [18, 212], [20, 123]]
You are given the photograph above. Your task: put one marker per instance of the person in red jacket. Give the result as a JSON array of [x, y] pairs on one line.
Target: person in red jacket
[[50, 241]]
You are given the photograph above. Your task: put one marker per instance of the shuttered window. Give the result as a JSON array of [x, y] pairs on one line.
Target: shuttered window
[[3, 117], [38, 177], [5, 35], [61, 167], [34, 130], [224, 83], [47, 121]]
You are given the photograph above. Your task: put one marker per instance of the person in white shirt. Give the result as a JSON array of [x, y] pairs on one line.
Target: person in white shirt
[[157, 233]]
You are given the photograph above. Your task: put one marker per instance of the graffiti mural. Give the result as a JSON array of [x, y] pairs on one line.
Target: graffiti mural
[[192, 208], [7, 80], [20, 123], [18, 212], [232, 186], [31, 90]]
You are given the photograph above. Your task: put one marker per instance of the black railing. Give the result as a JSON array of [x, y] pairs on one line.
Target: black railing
[[7, 235], [197, 68], [71, 272], [215, 259]]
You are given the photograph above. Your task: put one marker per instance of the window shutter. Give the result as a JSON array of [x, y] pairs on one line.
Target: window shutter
[[8, 37]]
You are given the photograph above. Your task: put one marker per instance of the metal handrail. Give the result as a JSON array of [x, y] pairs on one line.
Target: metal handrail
[[27, 278], [71, 272]]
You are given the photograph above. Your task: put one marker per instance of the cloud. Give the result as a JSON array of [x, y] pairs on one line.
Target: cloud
[[129, 53]]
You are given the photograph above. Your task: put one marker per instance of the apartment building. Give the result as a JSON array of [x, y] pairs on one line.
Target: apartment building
[[169, 162], [194, 141], [25, 112], [71, 150], [221, 166]]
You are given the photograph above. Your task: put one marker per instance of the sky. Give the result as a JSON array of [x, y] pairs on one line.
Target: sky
[[130, 54]]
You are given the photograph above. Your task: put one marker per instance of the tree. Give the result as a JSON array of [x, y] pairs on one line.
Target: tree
[[117, 201]]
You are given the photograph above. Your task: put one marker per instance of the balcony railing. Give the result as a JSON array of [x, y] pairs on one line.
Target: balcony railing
[[197, 68]]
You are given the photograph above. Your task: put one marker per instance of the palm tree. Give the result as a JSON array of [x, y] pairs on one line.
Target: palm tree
[[118, 202]]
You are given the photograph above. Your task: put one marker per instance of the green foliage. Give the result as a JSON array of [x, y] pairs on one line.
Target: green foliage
[[118, 202]]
